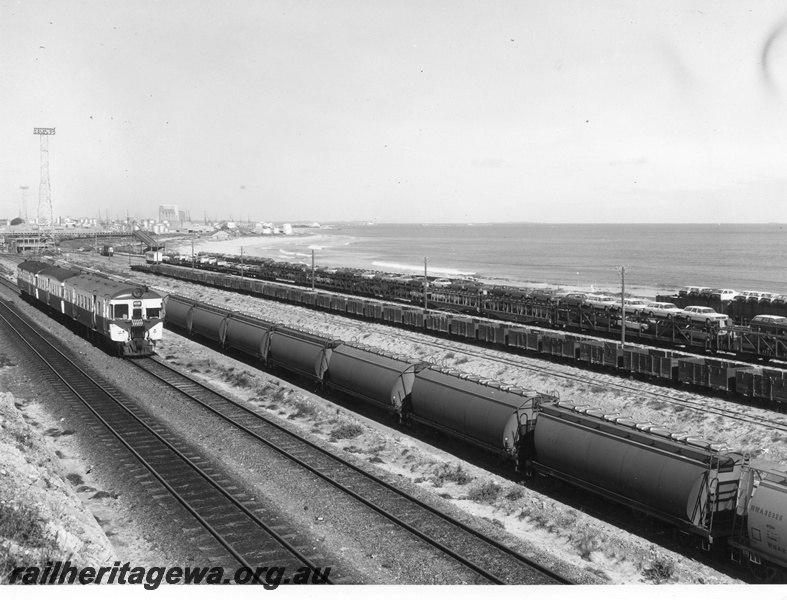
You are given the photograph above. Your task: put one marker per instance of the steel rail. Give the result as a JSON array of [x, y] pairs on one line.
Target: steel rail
[[454, 522], [118, 403], [698, 405]]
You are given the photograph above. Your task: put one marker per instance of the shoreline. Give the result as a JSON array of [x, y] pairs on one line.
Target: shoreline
[[274, 247]]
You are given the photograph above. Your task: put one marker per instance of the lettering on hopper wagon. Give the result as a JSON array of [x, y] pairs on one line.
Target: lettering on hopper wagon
[[776, 548], [767, 513]]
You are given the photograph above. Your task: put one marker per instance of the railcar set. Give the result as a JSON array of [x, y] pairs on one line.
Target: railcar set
[[128, 318], [712, 495], [661, 365]]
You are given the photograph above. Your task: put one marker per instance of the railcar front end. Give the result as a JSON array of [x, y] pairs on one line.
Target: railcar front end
[[128, 317]]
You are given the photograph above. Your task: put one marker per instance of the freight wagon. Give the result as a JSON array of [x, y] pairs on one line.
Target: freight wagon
[[706, 491], [662, 365]]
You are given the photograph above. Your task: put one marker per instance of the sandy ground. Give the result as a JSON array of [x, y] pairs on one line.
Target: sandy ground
[[42, 515]]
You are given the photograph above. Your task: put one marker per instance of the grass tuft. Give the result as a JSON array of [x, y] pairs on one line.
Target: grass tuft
[[514, 494], [661, 570], [586, 544], [75, 479], [241, 379], [484, 493], [25, 541], [103, 494], [450, 473], [303, 409], [345, 431]]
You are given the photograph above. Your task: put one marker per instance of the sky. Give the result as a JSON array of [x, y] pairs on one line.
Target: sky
[[398, 110]]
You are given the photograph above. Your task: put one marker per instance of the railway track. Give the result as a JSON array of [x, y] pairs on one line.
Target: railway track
[[736, 411], [636, 523], [777, 423], [486, 558], [665, 396], [519, 362], [247, 535], [538, 322]]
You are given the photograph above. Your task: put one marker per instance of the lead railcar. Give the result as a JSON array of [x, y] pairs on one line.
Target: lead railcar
[[124, 316], [127, 315]]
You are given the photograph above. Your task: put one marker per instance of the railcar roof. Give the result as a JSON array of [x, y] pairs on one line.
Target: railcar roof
[[33, 266], [58, 273], [115, 290], [48, 270]]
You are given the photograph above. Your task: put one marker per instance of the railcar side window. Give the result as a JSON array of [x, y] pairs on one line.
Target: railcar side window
[[153, 312], [121, 311]]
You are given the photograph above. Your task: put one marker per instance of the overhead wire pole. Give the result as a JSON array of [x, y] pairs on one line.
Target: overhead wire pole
[[622, 305], [312, 270], [23, 209], [426, 285]]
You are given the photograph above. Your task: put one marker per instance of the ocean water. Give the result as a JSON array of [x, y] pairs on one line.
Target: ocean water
[[663, 257]]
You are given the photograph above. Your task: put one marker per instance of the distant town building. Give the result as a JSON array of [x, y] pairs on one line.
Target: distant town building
[[168, 212], [192, 227], [287, 229]]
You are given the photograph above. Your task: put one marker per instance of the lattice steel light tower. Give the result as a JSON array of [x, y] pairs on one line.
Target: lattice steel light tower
[[23, 207], [46, 220]]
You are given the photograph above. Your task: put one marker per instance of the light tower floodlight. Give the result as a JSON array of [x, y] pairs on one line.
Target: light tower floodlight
[[46, 220]]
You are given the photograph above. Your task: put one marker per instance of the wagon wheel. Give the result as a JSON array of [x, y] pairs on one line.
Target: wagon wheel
[[765, 573], [652, 315]]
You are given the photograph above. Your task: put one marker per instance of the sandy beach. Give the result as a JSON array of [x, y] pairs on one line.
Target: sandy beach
[[297, 249]]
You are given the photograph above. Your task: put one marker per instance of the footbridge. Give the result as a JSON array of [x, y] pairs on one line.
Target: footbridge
[[149, 239]]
